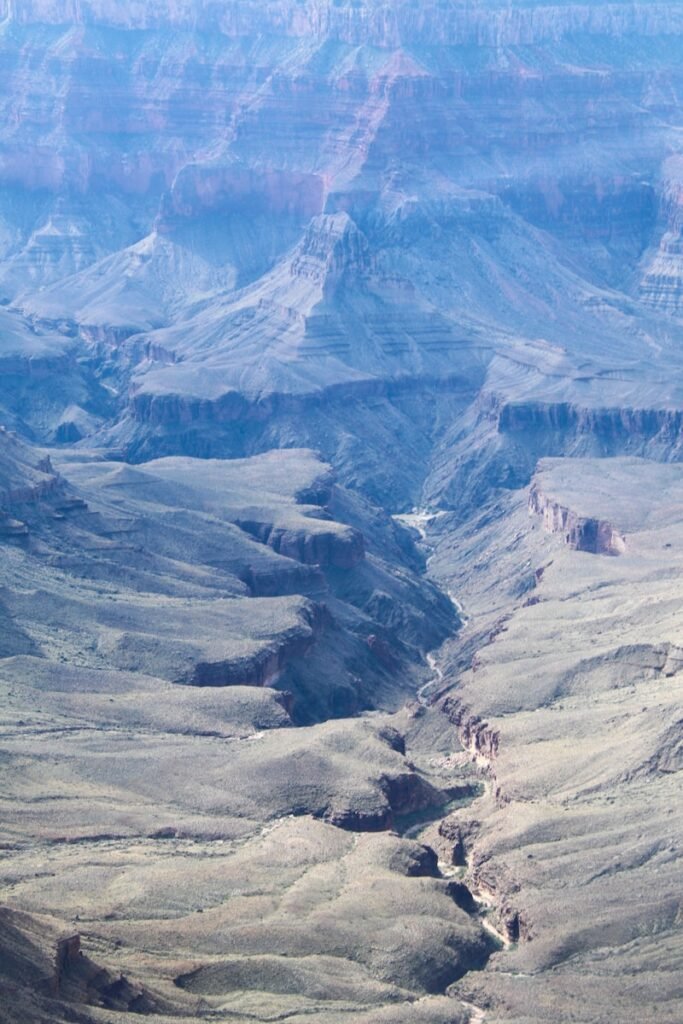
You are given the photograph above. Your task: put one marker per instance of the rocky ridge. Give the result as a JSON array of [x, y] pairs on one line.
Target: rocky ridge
[[436, 245]]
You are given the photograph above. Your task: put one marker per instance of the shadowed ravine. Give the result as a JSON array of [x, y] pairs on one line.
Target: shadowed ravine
[[341, 543]]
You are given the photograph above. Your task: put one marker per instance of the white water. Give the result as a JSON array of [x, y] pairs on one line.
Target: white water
[[419, 520], [458, 607], [435, 680]]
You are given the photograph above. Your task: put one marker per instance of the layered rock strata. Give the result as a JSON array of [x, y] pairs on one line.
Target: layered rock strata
[[596, 536]]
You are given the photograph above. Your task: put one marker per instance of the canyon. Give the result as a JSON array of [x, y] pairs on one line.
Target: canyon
[[341, 491]]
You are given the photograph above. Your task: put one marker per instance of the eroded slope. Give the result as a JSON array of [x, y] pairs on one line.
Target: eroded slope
[[570, 699]]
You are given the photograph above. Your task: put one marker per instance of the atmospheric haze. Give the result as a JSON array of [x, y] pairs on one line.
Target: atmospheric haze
[[341, 511]]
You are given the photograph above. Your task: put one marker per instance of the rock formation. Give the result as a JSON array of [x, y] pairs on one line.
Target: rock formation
[[596, 536], [337, 338]]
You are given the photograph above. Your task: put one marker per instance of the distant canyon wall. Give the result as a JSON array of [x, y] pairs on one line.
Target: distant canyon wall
[[376, 23], [135, 114]]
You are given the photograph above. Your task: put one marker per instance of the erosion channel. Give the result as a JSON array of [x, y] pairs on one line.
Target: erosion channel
[[341, 542]]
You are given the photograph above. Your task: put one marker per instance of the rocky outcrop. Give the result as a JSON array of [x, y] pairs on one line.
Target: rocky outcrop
[[477, 736], [26, 478], [181, 411], [511, 923], [454, 840], [67, 957], [264, 667], [30, 488], [333, 246], [406, 793], [581, 533], [661, 283], [484, 893], [338, 547], [353, 819], [45, 974]]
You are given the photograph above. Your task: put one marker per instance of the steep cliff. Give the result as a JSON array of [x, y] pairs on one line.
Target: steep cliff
[[661, 284], [313, 302], [597, 536], [383, 191]]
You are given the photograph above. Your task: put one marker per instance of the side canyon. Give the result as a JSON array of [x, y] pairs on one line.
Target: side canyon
[[341, 511]]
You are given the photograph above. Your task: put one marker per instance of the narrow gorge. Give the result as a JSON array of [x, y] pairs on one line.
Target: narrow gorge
[[341, 511]]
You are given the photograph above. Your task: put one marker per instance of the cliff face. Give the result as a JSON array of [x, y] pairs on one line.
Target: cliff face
[[300, 292], [328, 116], [371, 21], [24, 475], [341, 549], [661, 284], [265, 666], [48, 958], [384, 192], [581, 533]]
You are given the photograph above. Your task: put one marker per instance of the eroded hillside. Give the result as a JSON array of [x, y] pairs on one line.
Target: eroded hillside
[[341, 403]]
